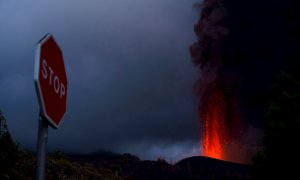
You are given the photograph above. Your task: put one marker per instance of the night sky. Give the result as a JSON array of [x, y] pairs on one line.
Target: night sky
[[131, 78]]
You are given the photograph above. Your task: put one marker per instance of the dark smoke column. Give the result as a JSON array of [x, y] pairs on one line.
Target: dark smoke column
[[217, 84]]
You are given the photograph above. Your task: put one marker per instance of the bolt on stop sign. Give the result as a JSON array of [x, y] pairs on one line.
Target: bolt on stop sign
[[51, 80]]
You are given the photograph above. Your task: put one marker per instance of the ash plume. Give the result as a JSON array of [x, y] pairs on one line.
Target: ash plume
[[233, 51]]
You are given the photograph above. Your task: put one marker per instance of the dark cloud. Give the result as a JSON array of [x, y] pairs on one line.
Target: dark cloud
[[129, 70]]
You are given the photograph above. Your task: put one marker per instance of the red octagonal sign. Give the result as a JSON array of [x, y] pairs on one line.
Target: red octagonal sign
[[51, 80]]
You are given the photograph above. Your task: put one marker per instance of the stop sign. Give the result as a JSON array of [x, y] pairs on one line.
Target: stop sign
[[51, 80]]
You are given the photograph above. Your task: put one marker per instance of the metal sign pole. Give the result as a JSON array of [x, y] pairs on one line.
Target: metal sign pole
[[42, 148]]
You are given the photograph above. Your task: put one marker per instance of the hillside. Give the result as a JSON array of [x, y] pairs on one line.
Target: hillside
[[131, 167], [125, 166]]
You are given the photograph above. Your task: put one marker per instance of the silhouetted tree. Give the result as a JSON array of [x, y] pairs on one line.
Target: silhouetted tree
[[8, 150], [279, 156]]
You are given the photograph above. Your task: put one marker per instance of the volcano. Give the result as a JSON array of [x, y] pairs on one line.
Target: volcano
[[201, 167]]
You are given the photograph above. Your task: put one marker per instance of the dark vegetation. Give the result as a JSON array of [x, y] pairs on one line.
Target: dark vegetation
[[279, 155], [20, 164], [8, 150]]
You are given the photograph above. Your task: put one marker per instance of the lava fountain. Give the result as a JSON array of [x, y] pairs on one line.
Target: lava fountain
[[219, 121], [219, 84], [212, 120]]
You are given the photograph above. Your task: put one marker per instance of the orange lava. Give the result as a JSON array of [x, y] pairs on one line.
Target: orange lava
[[212, 115]]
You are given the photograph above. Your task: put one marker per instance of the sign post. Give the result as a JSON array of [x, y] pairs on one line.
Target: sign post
[[51, 85], [42, 148]]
